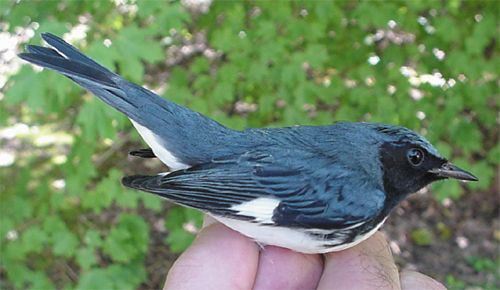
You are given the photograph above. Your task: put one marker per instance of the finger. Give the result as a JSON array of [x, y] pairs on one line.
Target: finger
[[219, 258], [281, 268], [411, 280], [368, 265]]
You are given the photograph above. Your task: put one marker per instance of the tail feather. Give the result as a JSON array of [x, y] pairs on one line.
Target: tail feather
[[71, 52], [74, 69], [35, 49], [113, 97], [188, 137]]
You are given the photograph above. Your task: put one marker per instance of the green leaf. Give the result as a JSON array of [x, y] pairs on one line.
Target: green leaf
[[223, 93], [454, 283], [96, 120], [34, 239], [447, 189], [53, 224], [179, 240], [466, 136], [127, 276], [482, 264], [17, 207], [169, 15], [80, 167], [64, 243], [95, 279], [316, 55], [106, 191], [26, 86], [92, 238], [17, 274], [137, 45], [494, 154], [6, 225], [447, 29], [14, 251], [39, 280], [483, 171], [152, 202], [128, 198], [422, 237], [482, 35], [106, 56], [86, 258], [444, 148], [52, 25], [200, 65], [128, 240]]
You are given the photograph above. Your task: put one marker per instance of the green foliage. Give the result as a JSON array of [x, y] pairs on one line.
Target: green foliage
[[422, 237], [302, 62], [454, 284], [483, 264], [114, 277], [178, 238], [128, 240]]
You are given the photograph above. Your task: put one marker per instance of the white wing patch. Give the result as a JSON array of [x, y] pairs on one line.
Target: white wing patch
[[161, 152], [261, 209]]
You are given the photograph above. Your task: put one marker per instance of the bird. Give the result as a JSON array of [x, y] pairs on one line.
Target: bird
[[311, 189]]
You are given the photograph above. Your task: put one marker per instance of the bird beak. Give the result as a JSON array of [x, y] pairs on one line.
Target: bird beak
[[449, 170]]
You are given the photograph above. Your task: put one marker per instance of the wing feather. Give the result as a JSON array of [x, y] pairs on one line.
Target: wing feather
[[308, 198]]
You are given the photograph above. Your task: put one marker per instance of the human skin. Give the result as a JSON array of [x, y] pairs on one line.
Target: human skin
[[221, 258]]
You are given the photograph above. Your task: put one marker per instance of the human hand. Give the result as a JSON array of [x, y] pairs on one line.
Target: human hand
[[221, 258]]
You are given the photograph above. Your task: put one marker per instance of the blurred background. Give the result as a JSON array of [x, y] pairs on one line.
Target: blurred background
[[67, 223]]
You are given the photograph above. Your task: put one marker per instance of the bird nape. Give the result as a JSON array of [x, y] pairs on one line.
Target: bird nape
[[313, 189]]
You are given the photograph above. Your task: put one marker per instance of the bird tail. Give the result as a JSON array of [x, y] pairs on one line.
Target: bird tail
[[183, 132], [70, 62]]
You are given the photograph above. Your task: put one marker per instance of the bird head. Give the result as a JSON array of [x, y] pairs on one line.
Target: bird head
[[410, 162]]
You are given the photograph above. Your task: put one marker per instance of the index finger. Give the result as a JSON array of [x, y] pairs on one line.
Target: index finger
[[219, 258], [281, 268]]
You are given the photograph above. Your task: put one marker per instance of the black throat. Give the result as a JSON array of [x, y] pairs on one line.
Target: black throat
[[399, 177]]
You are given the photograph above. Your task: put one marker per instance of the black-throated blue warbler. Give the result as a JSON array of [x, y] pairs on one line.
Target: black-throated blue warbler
[[310, 189]]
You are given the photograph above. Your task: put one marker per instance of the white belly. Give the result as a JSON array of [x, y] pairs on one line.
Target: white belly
[[293, 239]]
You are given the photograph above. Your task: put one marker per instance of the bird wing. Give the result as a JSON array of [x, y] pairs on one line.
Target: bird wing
[[258, 187]]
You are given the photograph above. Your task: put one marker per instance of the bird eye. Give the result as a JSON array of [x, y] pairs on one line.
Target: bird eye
[[415, 156]]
